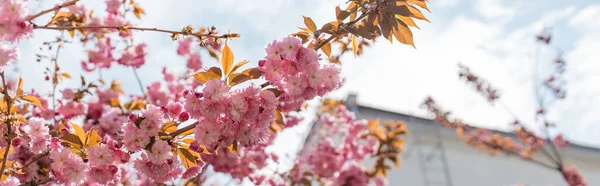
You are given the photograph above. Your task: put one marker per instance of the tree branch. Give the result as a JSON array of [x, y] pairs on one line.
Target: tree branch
[[184, 129], [127, 27], [57, 7], [349, 24], [8, 123]]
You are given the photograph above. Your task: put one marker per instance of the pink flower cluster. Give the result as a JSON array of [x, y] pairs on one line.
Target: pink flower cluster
[[250, 161], [226, 116], [39, 136], [194, 63], [134, 58], [296, 70], [158, 162], [13, 23], [340, 164], [7, 55]]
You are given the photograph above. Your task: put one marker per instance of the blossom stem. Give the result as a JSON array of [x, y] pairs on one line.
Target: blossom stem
[[127, 27], [137, 77], [55, 75], [8, 126], [57, 7]]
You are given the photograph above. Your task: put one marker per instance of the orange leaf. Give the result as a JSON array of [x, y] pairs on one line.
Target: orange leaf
[[233, 148], [238, 65], [326, 48], [20, 87], [279, 117], [169, 127], [33, 100], [227, 59], [354, 45], [310, 24]]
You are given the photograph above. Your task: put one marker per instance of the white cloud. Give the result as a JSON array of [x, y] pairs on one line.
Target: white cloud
[[493, 9]]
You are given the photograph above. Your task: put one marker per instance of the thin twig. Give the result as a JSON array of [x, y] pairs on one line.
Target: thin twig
[[57, 7], [55, 75], [127, 27], [139, 81], [37, 158], [349, 24]]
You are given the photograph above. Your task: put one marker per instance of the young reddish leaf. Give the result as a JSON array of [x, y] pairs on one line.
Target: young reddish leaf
[[205, 76], [71, 33], [407, 20], [238, 65], [92, 138], [114, 102], [341, 14], [61, 16], [420, 3], [279, 117], [227, 59], [187, 158], [416, 13], [205, 150], [66, 75], [20, 87], [354, 45], [310, 24], [169, 127], [33, 100], [330, 28], [187, 140], [326, 48], [403, 34], [72, 139], [233, 148], [252, 73], [238, 78]]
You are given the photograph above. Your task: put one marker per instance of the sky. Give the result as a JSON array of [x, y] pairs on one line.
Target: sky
[[494, 38]]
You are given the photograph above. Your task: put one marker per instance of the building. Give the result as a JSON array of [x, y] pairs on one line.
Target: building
[[436, 157]]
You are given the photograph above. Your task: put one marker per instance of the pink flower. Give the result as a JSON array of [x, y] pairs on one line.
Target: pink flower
[[194, 62], [184, 46], [13, 25], [111, 122], [133, 138], [102, 56], [573, 177], [100, 156], [7, 55], [162, 172], [191, 172], [149, 127], [274, 51], [112, 7], [324, 159], [134, 58], [105, 175], [174, 109], [207, 133], [560, 141], [36, 128], [289, 47], [71, 109], [39, 145], [68, 93], [161, 151], [215, 89]]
